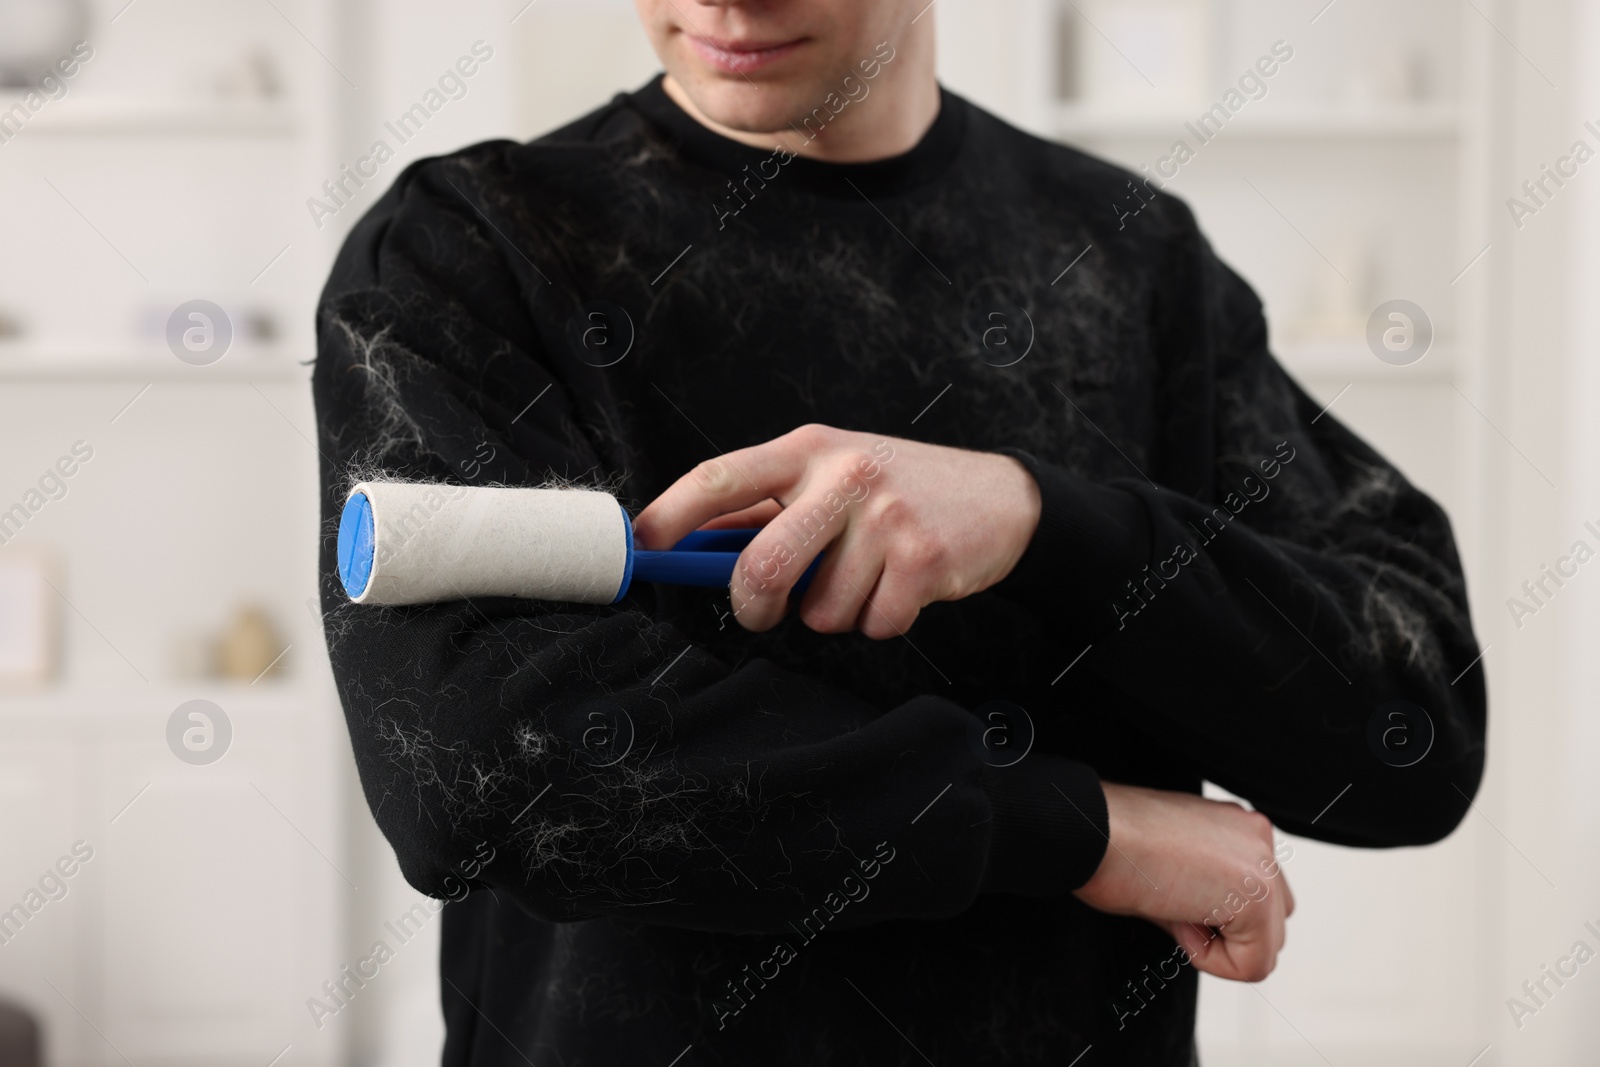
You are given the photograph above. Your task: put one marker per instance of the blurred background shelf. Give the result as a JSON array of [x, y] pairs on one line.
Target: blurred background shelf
[[1439, 122], [274, 696], [113, 116], [1330, 360], [18, 364]]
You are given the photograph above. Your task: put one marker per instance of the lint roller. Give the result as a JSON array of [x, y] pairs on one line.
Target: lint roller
[[419, 543]]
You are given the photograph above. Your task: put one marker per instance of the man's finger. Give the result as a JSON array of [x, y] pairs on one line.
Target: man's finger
[[1278, 932], [756, 515], [1196, 940], [892, 606], [776, 558], [1250, 944], [908, 583], [1240, 951], [839, 591], [727, 483]]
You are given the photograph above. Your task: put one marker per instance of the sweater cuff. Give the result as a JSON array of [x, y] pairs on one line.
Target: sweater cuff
[[1092, 540], [1050, 829]]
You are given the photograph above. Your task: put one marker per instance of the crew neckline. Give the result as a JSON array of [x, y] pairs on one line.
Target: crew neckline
[[924, 161]]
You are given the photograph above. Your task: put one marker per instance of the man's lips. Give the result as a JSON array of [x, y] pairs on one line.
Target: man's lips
[[741, 57]]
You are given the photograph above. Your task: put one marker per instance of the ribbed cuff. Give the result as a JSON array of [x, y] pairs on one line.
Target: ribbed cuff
[[1050, 827], [1092, 540]]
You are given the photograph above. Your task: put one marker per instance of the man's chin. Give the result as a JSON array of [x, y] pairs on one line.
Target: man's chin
[[758, 109]]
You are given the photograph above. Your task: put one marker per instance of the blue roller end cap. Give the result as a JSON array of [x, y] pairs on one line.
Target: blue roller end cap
[[627, 567], [355, 544]]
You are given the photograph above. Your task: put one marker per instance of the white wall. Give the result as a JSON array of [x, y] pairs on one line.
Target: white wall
[[1579, 680]]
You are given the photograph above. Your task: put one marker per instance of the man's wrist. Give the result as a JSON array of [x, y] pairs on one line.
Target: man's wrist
[[1026, 506], [1116, 828]]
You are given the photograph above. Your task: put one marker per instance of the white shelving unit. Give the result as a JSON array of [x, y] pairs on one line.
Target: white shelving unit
[[216, 902]]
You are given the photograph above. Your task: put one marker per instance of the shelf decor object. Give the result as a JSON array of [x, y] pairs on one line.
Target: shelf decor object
[[34, 34]]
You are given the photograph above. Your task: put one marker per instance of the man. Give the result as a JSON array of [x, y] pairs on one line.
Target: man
[[1083, 544]]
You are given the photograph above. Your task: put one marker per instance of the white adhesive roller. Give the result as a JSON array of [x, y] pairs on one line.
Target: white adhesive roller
[[410, 543]]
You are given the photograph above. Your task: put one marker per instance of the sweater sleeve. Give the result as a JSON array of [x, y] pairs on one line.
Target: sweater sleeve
[[591, 761], [1298, 629]]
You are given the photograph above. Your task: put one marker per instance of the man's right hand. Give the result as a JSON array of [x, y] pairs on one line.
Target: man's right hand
[[1202, 870]]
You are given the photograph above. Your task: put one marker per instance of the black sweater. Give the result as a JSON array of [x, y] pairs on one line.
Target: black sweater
[[793, 848]]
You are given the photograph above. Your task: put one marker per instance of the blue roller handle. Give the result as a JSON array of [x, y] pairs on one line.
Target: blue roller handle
[[704, 558]]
